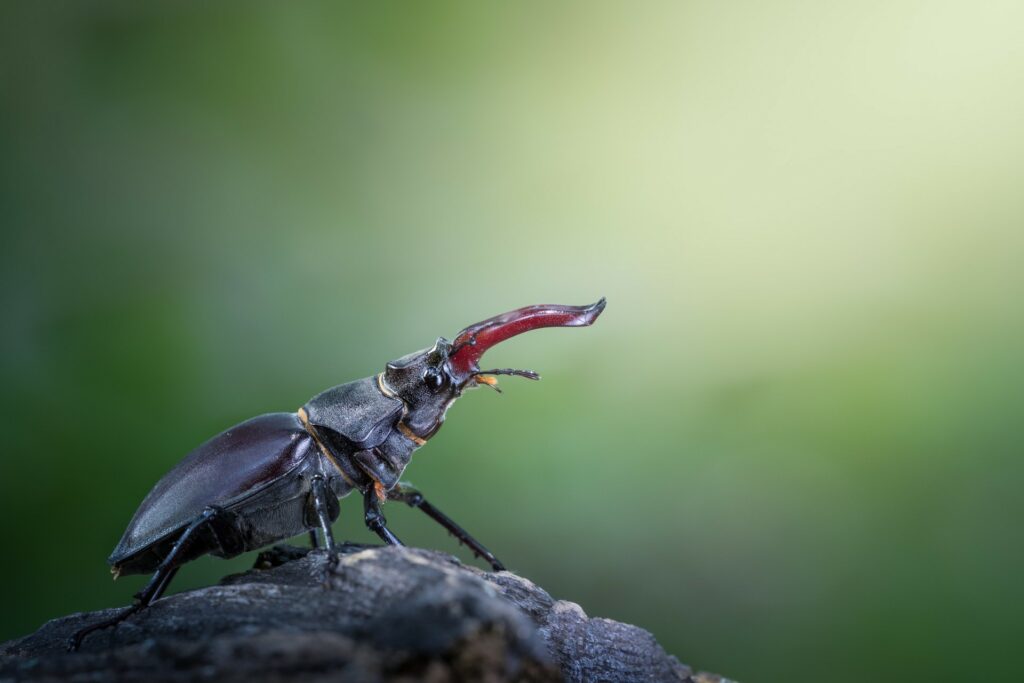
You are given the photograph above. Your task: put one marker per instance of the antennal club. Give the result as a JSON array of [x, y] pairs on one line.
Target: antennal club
[[528, 374]]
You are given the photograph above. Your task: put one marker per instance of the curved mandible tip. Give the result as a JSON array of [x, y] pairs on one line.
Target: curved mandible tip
[[471, 343]]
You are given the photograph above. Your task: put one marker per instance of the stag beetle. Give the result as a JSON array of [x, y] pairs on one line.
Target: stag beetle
[[281, 474]]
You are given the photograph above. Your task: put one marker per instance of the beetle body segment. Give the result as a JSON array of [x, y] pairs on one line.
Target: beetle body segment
[[358, 412], [258, 470]]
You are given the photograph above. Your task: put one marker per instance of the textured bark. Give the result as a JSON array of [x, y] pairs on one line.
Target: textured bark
[[377, 614]]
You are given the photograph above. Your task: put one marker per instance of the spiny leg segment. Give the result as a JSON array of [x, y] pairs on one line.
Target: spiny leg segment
[[157, 584], [413, 498]]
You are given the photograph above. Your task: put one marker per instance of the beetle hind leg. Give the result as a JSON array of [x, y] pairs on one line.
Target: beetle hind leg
[[414, 499], [160, 580], [75, 641]]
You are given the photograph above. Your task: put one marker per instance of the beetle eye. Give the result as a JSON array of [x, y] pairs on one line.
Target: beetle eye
[[433, 378]]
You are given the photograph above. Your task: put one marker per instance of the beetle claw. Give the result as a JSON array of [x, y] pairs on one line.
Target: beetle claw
[[328, 569]]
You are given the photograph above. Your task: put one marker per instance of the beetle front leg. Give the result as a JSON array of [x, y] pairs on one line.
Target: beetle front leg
[[374, 518], [413, 498]]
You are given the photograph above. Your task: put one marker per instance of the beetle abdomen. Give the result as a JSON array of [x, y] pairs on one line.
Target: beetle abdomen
[[228, 468]]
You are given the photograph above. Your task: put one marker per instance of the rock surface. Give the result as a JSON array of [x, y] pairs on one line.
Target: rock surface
[[376, 614]]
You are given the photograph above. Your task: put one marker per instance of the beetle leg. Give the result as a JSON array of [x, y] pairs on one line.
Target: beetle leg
[[319, 489], [413, 498], [157, 584], [75, 641], [314, 542], [164, 582], [374, 518]]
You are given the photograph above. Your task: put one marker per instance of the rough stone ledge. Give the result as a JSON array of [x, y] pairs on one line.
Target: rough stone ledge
[[377, 614]]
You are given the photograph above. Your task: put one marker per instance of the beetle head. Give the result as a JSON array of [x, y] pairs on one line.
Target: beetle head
[[428, 381]]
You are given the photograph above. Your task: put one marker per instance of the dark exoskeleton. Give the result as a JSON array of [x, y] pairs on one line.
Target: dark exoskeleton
[[281, 474]]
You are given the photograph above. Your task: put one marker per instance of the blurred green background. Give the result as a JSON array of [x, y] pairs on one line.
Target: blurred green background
[[791, 447]]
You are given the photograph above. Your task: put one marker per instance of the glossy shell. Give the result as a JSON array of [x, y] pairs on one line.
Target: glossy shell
[[358, 411], [224, 471]]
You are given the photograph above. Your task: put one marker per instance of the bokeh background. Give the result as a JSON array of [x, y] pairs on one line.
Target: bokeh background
[[791, 447]]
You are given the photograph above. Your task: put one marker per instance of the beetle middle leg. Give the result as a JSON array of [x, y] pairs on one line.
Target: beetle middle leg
[[318, 491], [162, 576], [321, 511], [413, 498]]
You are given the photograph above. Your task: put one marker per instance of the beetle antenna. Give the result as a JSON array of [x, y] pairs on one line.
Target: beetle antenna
[[528, 374]]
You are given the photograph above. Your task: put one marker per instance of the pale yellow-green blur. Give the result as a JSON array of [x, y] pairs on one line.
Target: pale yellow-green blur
[[792, 445]]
